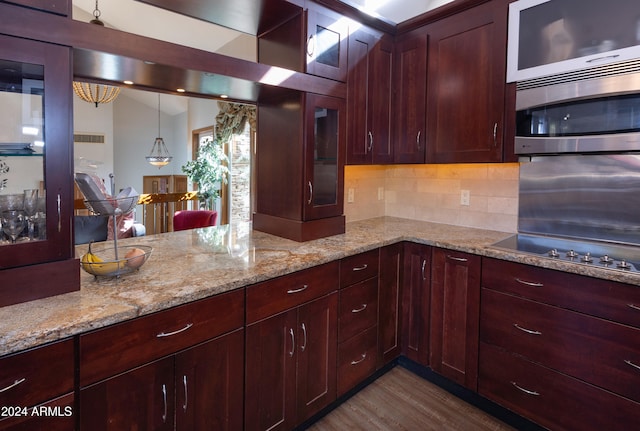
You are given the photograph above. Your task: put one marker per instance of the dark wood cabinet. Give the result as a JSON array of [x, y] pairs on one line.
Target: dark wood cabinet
[[291, 343], [357, 319], [58, 7], [162, 371], [546, 334], [466, 86], [416, 302], [300, 165], [42, 377], [369, 99], [41, 85], [455, 315], [390, 304], [410, 78]]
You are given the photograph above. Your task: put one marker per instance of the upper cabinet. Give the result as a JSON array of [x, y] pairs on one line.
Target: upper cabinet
[[466, 86], [548, 37], [315, 41], [36, 189], [59, 7], [300, 165], [369, 99], [410, 97]]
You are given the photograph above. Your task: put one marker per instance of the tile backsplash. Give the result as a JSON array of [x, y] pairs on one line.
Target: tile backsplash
[[433, 193]]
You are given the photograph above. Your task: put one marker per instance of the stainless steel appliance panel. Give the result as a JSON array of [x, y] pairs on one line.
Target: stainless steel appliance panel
[[591, 197]]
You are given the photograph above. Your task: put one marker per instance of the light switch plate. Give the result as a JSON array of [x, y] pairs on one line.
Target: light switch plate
[[465, 197], [350, 195]]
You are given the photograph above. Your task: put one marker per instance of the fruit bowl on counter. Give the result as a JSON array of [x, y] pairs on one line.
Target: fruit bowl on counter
[[109, 261]]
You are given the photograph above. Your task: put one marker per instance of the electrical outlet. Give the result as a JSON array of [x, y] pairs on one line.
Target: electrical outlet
[[380, 193], [465, 197], [350, 196]]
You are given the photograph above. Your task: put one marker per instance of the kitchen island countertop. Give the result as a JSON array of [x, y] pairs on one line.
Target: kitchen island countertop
[[193, 264]]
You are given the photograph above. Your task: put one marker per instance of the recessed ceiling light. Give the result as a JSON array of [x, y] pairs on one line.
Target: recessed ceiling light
[[180, 90], [149, 62], [128, 82], [223, 96]]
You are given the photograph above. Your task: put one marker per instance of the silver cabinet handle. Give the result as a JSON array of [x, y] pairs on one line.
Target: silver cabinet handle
[[526, 391], [292, 291], [358, 310], [164, 399], [59, 213], [628, 362], [635, 307], [370, 142], [186, 393], [293, 343], [529, 283], [304, 333], [311, 45], [495, 134], [13, 385], [458, 259], [360, 268], [424, 264], [362, 358], [169, 334], [418, 139], [528, 331], [310, 193]]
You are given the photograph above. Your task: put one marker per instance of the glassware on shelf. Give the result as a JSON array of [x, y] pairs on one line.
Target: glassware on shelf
[[13, 223], [31, 209]]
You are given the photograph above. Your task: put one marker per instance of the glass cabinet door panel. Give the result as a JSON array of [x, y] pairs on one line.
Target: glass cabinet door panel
[[35, 152]]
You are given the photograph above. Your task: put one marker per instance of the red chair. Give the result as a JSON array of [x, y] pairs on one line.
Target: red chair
[[191, 219]]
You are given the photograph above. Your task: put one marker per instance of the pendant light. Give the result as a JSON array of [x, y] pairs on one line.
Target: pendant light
[[159, 155], [95, 93]]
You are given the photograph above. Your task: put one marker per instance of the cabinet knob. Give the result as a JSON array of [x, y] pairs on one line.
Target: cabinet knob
[[526, 391], [310, 193], [13, 385], [169, 334], [370, 142]]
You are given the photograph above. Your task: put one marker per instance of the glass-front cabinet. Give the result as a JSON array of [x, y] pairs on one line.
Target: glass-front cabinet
[[547, 37], [35, 159]]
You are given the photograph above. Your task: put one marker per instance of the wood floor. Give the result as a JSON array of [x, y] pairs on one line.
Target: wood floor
[[401, 400]]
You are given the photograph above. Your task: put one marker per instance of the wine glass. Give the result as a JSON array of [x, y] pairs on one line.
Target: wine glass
[[13, 223], [31, 208]]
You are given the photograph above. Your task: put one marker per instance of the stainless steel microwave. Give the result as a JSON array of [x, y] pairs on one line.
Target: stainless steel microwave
[[591, 114]]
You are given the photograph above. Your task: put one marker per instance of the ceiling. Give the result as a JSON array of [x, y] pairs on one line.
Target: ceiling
[[396, 11]]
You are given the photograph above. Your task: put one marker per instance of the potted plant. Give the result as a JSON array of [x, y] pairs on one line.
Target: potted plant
[[209, 171]]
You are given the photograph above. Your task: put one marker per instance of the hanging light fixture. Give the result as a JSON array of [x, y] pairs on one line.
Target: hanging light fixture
[[159, 155], [95, 93]]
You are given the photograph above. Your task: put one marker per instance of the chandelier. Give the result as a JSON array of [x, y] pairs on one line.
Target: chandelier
[[95, 93], [159, 155]]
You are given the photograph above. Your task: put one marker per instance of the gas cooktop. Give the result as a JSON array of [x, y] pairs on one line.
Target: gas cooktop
[[604, 255]]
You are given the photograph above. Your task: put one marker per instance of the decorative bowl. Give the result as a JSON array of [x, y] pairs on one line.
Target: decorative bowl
[[102, 262]]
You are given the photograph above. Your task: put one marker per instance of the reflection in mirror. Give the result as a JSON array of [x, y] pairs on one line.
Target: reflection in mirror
[[22, 152]]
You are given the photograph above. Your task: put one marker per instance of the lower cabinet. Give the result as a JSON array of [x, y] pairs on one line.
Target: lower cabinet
[[455, 316], [291, 347], [390, 304], [416, 302], [36, 389], [178, 369]]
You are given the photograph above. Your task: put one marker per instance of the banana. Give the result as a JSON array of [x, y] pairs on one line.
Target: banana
[[97, 266]]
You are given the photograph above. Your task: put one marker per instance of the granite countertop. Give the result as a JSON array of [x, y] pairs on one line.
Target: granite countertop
[[194, 264]]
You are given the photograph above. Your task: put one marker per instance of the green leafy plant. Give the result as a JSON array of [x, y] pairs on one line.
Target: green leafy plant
[[209, 170]]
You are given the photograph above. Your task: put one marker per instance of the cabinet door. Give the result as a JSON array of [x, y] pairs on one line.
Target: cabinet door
[[327, 43], [36, 98], [455, 315], [209, 395], [270, 373], [141, 399], [466, 86], [389, 303], [380, 101], [410, 101], [416, 299], [316, 352], [324, 157]]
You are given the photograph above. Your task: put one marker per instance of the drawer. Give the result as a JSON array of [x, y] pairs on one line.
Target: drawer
[[597, 351], [607, 299], [358, 268], [549, 398], [357, 359], [282, 293], [32, 377], [358, 308], [115, 349]]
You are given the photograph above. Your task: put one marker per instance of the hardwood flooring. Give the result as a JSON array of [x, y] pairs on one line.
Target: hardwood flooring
[[400, 400]]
